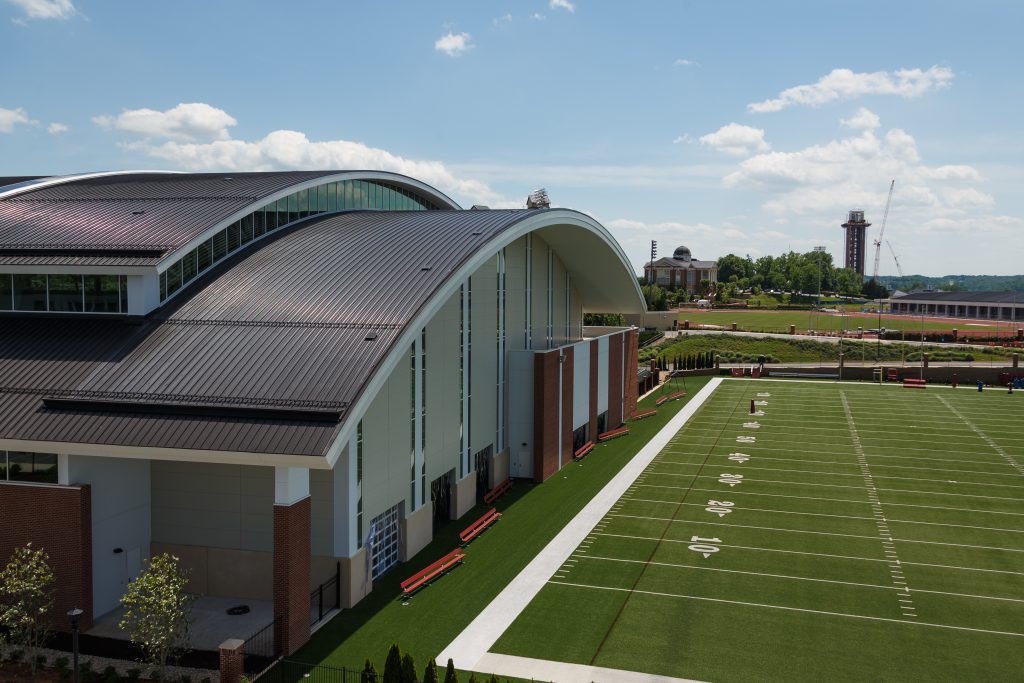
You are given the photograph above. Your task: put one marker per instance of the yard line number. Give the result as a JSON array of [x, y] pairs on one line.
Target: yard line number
[[720, 507], [739, 457], [730, 479], [704, 546]]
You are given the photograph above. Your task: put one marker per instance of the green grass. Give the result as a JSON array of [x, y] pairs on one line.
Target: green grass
[[801, 586], [740, 348], [532, 515], [779, 321]]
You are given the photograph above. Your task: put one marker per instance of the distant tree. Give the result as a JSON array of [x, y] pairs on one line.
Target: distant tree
[[450, 674], [473, 678], [655, 297], [704, 287], [26, 595], [873, 289], [731, 265], [369, 673], [393, 665], [158, 611], [610, 319], [408, 669], [848, 282]]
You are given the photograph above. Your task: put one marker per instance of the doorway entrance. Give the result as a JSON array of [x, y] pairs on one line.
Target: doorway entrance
[[441, 495], [482, 466]]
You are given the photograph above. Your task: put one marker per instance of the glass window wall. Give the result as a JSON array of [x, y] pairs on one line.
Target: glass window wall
[[65, 293], [39, 468], [29, 292], [6, 302]]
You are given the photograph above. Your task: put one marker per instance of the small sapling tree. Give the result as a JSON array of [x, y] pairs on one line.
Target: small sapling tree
[[26, 595], [158, 611]]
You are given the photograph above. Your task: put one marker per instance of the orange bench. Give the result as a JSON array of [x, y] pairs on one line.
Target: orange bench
[[582, 451], [605, 436], [424, 576], [498, 491], [661, 399], [646, 413], [909, 383], [470, 532]]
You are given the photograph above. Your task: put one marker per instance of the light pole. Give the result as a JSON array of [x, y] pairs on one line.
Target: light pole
[[878, 347], [75, 614]]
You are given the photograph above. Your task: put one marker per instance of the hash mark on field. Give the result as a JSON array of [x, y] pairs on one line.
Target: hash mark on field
[[907, 605]]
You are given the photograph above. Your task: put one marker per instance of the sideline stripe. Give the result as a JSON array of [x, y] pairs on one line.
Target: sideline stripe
[[467, 649], [794, 609]]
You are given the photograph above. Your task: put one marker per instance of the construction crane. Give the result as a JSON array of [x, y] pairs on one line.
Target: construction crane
[[895, 258], [881, 232]]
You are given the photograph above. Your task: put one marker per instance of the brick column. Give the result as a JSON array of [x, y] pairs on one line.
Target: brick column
[[57, 519], [292, 554], [631, 389], [231, 660], [545, 415]]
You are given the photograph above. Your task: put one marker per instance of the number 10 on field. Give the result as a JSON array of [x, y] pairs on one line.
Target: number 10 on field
[[704, 546]]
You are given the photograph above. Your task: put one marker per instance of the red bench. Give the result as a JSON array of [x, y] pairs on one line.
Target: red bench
[[736, 372], [646, 413], [498, 491], [605, 436], [661, 399], [909, 383], [582, 451], [424, 576], [470, 532]]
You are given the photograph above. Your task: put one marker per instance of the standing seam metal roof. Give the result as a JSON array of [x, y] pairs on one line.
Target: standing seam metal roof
[[283, 324]]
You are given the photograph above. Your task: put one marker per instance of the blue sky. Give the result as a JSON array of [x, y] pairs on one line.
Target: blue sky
[[745, 127]]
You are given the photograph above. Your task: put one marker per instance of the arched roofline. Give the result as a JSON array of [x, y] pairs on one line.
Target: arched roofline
[[534, 221], [73, 178], [397, 178]]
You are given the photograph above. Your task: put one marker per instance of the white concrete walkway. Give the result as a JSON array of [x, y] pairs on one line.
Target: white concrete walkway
[[470, 648]]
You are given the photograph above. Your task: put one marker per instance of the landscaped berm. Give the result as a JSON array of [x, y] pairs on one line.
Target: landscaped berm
[[838, 531]]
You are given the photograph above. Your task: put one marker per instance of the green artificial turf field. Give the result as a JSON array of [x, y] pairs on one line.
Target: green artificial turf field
[[779, 321], [851, 532]]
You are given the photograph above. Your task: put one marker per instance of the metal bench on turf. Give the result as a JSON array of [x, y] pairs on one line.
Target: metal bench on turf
[[474, 529], [427, 574], [498, 491]]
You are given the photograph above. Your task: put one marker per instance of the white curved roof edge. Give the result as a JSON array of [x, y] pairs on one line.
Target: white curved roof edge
[[399, 349], [169, 259], [62, 179]]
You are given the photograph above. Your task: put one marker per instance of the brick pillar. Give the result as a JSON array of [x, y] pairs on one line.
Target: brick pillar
[[57, 519], [291, 574], [545, 415], [231, 660]]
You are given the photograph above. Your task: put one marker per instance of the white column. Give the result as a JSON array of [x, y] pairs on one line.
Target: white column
[[418, 422], [291, 484]]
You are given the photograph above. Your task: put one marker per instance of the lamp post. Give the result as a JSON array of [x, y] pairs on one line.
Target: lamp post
[[75, 614], [878, 346]]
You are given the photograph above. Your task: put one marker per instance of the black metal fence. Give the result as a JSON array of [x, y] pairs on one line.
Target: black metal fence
[[325, 597], [261, 649], [291, 671]]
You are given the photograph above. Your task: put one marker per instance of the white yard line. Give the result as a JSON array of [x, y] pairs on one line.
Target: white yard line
[[844, 486], [857, 474], [473, 644], [793, 609], [985, 437]]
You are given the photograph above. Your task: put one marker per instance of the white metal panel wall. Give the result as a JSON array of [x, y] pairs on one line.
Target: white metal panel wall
[[387, 446], [484, 343], [442, 448], [520, 412], [602, 375], [120, 519], [515, 283], [206, 504], [539, 293], [580, 384], [558, 301]]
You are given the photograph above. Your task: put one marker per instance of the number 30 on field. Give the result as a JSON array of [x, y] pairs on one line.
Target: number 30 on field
[[704, 545]]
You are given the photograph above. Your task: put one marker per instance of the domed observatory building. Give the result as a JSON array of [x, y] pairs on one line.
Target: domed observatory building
[[681, 271], [285, 379]]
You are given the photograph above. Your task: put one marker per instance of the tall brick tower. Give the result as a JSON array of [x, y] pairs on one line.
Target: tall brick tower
[[855, 227]]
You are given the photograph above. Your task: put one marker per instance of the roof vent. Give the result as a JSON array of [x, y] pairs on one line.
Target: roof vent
[[479, 207], [227, 178], [476, 234], [138, 213], [370, 336], [425, 268]]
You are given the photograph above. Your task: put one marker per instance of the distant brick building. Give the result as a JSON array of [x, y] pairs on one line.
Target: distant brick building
[[681, 271]]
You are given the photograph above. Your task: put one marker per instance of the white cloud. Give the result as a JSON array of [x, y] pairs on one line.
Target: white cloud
[[684, 139], [505, 19], [9, 118], [45, 9], [864, 119], [736, 139], [56, 128], [966, 198], [186, 121], [844, 84], [454, 44], [685, 62], [537, 16], [562, 4]]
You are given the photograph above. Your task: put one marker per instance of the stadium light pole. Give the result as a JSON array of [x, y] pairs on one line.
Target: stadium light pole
[[878, 346], [922, 341]]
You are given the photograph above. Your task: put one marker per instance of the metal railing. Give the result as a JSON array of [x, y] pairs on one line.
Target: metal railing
[[291, 671], [325, 597], [261, 649]]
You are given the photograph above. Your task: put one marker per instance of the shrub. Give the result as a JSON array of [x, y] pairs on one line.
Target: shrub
[[158, 611], [26, 595], [393, 665], [369, 673], [61, 663], [450, 674], [408, 669]]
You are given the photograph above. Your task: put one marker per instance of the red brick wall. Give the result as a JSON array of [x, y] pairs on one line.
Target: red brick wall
[[593, 389], [545, 415], [567, 397], [57, 519], [614, 381], [292, 540], [632, 395]]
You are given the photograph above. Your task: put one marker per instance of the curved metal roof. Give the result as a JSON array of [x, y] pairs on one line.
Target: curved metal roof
[[272, 343], [124, 214]]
